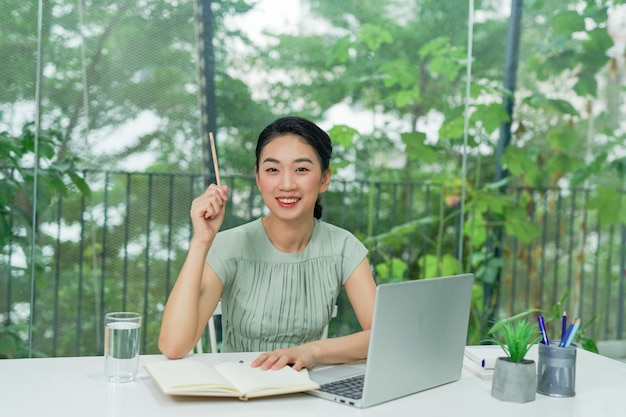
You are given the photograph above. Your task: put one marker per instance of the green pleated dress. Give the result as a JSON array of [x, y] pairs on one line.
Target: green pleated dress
[[273, 299]]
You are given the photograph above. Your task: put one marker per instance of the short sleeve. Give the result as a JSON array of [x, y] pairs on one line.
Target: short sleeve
[[219, 258], [353, 255]]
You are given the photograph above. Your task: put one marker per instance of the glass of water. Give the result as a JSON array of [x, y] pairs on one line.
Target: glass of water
[[121, 346]]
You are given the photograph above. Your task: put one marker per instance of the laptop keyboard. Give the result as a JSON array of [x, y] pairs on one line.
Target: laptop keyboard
[[349, 387]]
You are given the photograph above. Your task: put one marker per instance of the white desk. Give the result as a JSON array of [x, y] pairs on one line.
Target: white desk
[[76, 387]]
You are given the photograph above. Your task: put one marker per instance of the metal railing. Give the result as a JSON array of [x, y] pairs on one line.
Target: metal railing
[[121, 249]]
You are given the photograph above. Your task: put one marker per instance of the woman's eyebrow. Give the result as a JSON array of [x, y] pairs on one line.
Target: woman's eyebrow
[[297, 160]]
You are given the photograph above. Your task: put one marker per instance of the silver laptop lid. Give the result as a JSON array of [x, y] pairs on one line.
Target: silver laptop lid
[[418, 336]]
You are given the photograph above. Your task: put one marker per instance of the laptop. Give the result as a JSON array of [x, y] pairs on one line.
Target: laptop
[[417, 340]]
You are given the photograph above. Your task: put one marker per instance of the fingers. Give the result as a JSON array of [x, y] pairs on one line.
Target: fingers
[[296, 358], [222, 190], [262, 361], [298, 366], [210, 204], [271, 360], [281, 361]]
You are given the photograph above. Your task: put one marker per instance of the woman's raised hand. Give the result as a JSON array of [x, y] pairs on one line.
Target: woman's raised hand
[[207, 212]]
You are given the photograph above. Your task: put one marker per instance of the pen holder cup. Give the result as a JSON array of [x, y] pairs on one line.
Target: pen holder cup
[[556, 370]]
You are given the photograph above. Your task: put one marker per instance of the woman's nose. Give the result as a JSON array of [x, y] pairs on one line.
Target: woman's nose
[[287, 182]]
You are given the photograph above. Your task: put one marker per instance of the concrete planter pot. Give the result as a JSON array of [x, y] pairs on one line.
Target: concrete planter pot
[[514, 381]]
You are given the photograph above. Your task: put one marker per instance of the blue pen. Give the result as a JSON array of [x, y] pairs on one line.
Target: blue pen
[[572, 333], [563, 325], [542, 329]]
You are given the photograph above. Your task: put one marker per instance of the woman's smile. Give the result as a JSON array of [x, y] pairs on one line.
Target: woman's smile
[[287, 201]]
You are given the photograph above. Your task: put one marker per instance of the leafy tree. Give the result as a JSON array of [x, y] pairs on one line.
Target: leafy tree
[[18, 232]]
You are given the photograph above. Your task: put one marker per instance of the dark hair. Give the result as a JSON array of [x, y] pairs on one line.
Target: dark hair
[[307, 130]]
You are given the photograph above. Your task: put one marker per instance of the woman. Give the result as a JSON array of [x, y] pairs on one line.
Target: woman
[[279, 276]]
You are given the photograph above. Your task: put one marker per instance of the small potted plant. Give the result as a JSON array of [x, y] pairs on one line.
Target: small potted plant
[[514, 376]]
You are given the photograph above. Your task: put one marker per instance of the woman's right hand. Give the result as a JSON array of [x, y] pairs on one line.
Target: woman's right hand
[[207, 212]]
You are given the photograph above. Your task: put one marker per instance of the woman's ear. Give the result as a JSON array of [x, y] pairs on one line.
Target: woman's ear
[[325, 182]]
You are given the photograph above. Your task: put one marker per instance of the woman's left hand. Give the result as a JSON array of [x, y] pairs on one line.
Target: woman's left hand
[[298, 357]]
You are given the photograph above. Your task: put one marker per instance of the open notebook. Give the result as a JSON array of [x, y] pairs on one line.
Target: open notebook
[[417, 340]]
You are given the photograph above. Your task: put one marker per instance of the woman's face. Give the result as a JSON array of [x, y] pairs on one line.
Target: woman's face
[[290, 177]]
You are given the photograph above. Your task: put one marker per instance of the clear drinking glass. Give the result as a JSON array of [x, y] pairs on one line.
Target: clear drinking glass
[[121, 346]]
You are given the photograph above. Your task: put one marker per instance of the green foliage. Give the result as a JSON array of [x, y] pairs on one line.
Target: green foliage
[[392, 270], [398, 235], [486, 266], [609, 205], [344, 138], [586, 342], [444, 59], [568, 22], [55, 178], [13, 344], [374, 36], [476, 331], [515, 336], [489, 116], [415, 144], [520, 226], [438, 266], [555, 315]]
